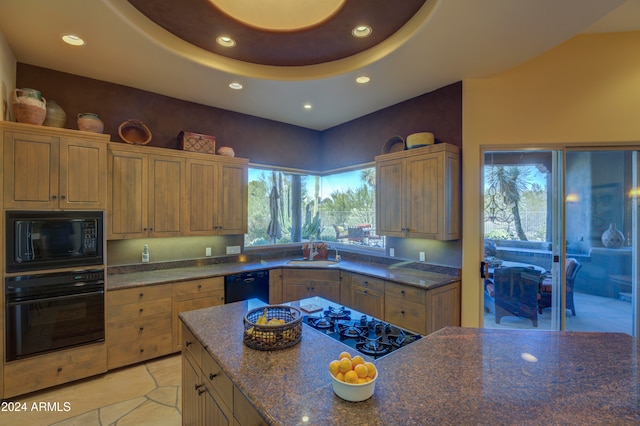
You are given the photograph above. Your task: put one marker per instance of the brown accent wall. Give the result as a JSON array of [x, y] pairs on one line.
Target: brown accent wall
[[262, 141], [360, 140]]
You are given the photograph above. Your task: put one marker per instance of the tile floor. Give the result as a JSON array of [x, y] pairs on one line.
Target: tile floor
[[593, 313], [144, 394]]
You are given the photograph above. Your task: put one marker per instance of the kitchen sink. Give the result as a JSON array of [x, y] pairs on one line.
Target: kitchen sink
[[306, 262]]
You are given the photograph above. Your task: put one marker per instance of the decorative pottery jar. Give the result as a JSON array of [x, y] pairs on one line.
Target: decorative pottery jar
[[612, 238], [29, 106], [89, 122], [56, 117]]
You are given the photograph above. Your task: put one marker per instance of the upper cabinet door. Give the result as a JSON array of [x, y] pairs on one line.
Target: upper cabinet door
[[166, 195], [83, 175], [128, 188], [390, 197], [232, 198], [31, 164], [200, 208]]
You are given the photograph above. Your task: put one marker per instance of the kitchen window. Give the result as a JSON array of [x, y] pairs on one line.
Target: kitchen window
[[289, 206]]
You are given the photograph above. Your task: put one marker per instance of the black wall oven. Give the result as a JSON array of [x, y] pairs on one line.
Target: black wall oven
[[39, 240], [48, 312]]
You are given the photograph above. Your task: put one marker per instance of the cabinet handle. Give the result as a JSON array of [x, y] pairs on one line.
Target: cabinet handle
[[141, 310], [141, 350], [199, 286], [141, 295], [365, 292], [141, 329], [187, 343], [201, 391], [53, 197], [402, 312], [402, 292], [212, 376], [197, 387], [62, 197], [59, 369]]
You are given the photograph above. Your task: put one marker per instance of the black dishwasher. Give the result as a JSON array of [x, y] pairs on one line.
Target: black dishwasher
[[246, 285]]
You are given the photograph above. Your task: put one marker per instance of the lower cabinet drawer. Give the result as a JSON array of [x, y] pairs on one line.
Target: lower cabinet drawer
[[139, 350], [39, 372], [220, 383], [133, 311], [405, 314], [125, 331]]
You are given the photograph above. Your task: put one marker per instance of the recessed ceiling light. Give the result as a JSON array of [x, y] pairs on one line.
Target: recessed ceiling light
[[361, 31], [363, 79], [235, 85], [72, 39], [307, 106], [225, 41]]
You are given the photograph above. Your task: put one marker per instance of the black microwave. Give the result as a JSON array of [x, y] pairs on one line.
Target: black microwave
[[53, 239]]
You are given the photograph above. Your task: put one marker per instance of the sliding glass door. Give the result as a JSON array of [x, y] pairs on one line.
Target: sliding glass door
[[570, 219]]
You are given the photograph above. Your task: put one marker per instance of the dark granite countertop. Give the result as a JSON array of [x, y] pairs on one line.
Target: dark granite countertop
[[397, 272], [451, 377]]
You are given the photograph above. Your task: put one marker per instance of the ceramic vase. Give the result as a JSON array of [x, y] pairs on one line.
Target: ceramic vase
[[612, 238], [56, 117], [89, 122], [29, 106]]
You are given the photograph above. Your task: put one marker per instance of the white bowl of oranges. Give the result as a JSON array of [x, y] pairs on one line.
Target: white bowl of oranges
[[354, 379]]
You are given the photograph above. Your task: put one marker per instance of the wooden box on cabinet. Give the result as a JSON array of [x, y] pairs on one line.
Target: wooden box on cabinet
[[191, 295], [138, 324], [418, 193]]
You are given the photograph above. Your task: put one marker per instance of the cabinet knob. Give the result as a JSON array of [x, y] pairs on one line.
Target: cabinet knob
[[53, 197], [141, 294], [402, 292], [197, 387], [212, 376], [141, 310], [141, 350], [141, 328], [365, 292], [402, 312], [59, 369], [62, 197], [199, 286], [187, 343]]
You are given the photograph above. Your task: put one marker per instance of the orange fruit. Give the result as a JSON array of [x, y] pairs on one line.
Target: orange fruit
[[362, 380], [345, 365], [357, 360], [361, 370], [351, 377], [371, 369], [344, 355], [340, 376], [334, 367]]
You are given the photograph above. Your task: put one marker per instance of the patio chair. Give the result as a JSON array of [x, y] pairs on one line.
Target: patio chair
[[341, 232], [572, 268], [356, 234], [516, 293]]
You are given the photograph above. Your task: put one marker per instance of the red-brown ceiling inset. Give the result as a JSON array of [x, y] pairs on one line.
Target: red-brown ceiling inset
[[199, 22]]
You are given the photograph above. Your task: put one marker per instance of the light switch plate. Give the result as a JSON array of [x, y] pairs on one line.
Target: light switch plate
[[207, 251], [422, 256], [392, 252]]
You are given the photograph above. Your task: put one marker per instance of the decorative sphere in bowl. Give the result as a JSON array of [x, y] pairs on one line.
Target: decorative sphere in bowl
[[353, 392]]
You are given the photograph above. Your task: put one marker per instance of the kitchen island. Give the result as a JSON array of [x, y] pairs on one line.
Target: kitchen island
[[454, 376]]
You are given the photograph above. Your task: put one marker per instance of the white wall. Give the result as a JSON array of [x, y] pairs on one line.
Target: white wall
[[7, 79]]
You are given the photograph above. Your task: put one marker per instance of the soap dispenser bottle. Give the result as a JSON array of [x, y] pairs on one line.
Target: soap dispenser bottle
[[145, 254]]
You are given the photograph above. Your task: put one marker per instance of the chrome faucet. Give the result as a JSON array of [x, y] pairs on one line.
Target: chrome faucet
[[337, 255], [312, 250]]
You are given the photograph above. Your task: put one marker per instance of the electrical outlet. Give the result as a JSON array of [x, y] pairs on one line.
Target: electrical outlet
[[233, 249], [207, 251], [392, 252], [422, 257]]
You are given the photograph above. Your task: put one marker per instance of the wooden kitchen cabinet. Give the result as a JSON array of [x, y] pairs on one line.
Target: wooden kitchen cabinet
[[47, 168], [145, 193], [139, 324], [302, 283], [43, 371], [422, 310], [209, 397], [418, 193], [275, 286], [217, 196], [191, 295], [364, 294]]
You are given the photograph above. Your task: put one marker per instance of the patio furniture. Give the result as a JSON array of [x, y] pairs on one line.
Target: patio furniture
[[356, 234], [516, 293], [572, 267], [341, 232]]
